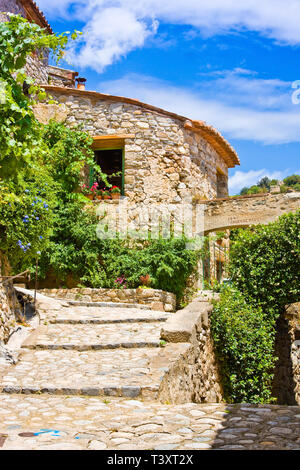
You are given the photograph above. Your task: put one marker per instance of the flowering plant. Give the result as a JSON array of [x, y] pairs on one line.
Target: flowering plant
[[89, 190], [121, 282], [115, 190]]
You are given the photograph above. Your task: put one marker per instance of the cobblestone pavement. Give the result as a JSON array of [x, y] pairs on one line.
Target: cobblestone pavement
[[64, 393], [57, 422], [106, 336]]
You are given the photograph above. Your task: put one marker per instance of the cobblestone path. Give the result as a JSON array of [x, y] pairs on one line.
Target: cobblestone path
[[88, 378], [61, 422]]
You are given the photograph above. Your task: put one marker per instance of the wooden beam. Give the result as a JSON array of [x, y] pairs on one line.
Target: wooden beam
[[110, 141]]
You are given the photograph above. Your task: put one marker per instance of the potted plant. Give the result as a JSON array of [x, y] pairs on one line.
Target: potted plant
[[115, 192], [86, 190], [106, 194], [99, 194], [94, 189]]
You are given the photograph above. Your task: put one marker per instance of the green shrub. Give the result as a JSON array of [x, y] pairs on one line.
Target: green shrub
[[244, 343], [265, 263], [75, 250]]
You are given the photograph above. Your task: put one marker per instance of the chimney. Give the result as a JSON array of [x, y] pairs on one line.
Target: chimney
[[81, 83]]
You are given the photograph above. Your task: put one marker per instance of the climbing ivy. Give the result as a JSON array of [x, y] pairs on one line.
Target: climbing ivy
[[20, 133]]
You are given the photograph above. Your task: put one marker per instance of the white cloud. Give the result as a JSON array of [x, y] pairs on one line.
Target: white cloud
[[262, 111], [115, 27], [240, 179], [110, 35]]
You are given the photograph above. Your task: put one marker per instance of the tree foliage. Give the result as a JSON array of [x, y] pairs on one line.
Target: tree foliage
[[265, 263], [21, 145]]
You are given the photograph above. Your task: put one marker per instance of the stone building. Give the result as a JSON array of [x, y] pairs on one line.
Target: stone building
[[159, 156]]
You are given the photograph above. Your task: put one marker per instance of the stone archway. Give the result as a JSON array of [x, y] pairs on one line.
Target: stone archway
[[243, 211]]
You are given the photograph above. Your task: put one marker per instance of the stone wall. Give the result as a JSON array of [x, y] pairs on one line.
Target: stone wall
[[13, 6], [194, 377], [164, 161], [289, 354], [36, 67], [155, 298], [241, 211], [7, 317]]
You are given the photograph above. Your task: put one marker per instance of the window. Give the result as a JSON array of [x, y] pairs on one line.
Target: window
[[111, 163], [222, 184], [109, 153]]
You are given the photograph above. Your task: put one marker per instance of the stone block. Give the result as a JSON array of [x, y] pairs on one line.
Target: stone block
[[158, 306]]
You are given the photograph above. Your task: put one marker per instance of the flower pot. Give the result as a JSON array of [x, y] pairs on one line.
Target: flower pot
[[106, 197], [90, 196], [115, 195], [99, 197]]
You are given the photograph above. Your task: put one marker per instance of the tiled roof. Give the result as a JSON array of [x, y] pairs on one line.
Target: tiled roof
[[211, 135], [36, 14]]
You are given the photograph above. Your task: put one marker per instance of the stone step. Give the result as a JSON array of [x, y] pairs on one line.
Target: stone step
[[102, 315], [122, 372], [82, 303], [87, 337]]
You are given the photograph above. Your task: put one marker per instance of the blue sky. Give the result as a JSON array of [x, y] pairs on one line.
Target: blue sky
[[228, 64]]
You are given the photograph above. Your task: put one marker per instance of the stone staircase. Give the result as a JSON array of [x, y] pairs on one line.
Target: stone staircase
[[93, 351]]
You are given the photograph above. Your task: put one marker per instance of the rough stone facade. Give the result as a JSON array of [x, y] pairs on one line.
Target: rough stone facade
[[194, 377], [36, 67], [293, 319], [164, 161], [12, 6], [286, 385], [7, 318], [156, 299]]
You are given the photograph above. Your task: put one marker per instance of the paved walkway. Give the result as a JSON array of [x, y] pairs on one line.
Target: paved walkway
[[57, 422], [88, 378]]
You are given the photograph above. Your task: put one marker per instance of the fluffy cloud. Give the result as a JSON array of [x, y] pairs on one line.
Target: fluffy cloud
[[110, 35], [106, 38], [262, 109]]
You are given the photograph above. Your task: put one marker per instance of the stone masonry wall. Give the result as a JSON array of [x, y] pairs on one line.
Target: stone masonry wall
[[164, 162], [194, 377], [243, 211], [12, 6], [292, 318], [7, 318], [156, 299]]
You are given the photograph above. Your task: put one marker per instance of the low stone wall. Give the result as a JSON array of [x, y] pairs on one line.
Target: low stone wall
[[194, 376], [7, 317], [156, 299], [293, 318]]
